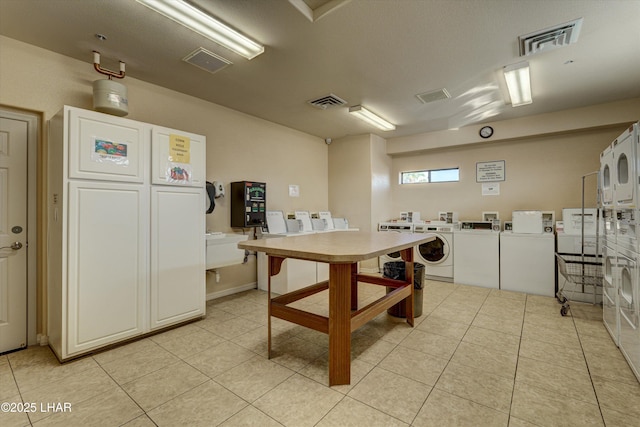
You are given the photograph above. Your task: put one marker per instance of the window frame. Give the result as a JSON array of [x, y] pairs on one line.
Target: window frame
[[428, 173]]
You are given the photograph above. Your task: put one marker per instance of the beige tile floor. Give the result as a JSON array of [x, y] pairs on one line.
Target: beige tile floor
[[476, 357]]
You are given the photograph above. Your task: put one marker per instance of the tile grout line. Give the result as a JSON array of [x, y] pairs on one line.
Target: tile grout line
[[449, 359], [593, 386], [515, 375]]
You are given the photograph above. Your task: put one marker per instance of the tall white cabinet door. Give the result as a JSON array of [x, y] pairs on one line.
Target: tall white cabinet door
[[104, 147], [177, 254], [107, 267], [177, 157]]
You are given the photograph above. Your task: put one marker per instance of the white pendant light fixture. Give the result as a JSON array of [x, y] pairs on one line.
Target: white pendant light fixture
[[371, 118], [518, 83], [206, 25]]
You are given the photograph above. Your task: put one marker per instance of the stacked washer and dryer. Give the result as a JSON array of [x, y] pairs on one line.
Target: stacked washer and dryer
[[619, 184]]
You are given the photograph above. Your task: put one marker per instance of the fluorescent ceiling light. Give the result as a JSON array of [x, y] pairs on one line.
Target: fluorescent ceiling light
[[366, 115], [206, 25], [518, 83]]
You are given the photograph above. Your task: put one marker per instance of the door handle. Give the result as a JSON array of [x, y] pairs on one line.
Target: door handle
[[15, 246]]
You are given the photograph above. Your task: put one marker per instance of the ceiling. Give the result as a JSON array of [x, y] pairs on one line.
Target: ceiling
[[375, 53]]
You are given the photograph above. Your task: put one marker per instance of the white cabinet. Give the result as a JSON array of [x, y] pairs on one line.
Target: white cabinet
[[177, 255], [125, 256], [106, 259], [103, 148], [177, 157]]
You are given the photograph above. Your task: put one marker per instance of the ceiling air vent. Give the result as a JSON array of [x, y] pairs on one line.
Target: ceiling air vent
[[434, 95], [206, 60], [550, 38], [327, 101]]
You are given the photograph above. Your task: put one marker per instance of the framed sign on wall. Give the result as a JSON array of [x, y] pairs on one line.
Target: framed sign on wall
[[490, 171]]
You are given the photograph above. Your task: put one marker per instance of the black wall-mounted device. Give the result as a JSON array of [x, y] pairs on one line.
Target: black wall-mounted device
[[248, 204]]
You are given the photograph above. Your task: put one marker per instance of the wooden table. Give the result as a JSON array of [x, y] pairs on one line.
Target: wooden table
[[342, 250]]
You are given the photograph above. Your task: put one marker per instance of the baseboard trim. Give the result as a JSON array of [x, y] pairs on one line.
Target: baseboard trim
[[231, 291]]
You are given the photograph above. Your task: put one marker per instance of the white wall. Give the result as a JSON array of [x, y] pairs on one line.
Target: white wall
[[350, 180]]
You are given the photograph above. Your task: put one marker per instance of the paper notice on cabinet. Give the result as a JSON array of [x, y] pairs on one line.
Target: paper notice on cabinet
[[179, 149], [105, 151], [178, 173], [492, 189]]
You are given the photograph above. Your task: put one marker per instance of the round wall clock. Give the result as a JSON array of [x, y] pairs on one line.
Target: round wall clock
[[486, 131]]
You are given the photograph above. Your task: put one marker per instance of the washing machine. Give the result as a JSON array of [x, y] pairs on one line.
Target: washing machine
[[625, 150], [528, 263], [476, 250], [436, 255], [629, 337], [393, 227], [606, 177], [610, 279]]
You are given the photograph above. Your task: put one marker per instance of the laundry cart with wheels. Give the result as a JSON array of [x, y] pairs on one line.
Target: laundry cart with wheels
[[582, 271]]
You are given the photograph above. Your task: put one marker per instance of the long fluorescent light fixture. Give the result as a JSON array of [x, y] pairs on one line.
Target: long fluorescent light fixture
[[366, 115], [206, 25], [518, 83]]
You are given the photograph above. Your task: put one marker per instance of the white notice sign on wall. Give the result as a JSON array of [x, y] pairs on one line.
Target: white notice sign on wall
[[490, 171], [491, 189]]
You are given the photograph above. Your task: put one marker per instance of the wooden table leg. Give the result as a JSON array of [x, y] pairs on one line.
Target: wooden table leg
[[275, 264], [354, 286], [339, 324]]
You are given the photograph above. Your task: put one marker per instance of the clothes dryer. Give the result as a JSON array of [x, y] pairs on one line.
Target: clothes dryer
[[436, 255], [393, 227], [629, 313], [476, 250], [625, 173], [611, 275], [606, 177]]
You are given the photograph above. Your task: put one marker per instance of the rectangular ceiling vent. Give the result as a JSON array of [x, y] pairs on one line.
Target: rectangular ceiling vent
[[550, 38], [434, 95], [206, 60], [327, 101]]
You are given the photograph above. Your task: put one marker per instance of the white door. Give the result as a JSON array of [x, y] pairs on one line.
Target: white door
[[13, 234]]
